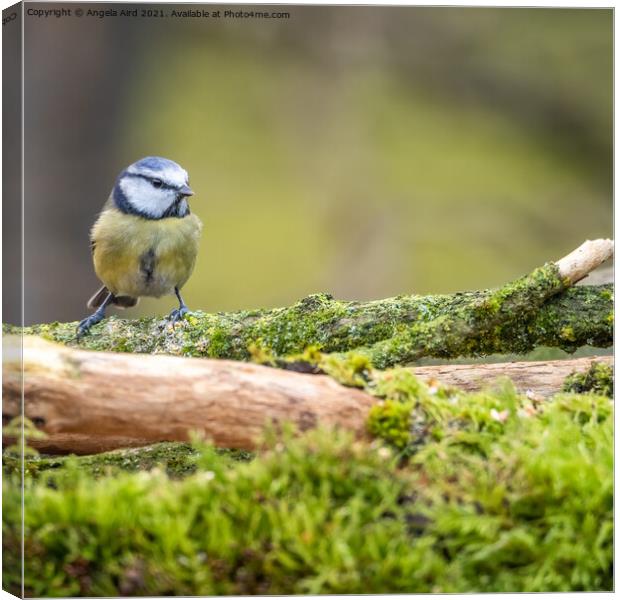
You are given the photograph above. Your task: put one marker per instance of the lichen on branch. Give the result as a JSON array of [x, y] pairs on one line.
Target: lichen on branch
[[539, 309], [392, 331]]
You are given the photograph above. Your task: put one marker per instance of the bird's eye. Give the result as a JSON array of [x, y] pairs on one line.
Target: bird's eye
[[157, 183]]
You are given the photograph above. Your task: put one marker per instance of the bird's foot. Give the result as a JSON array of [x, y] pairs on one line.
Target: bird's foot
[[177, 314], [85, 324]]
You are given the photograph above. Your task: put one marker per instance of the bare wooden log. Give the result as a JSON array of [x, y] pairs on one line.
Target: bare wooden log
[[88, 402], [541, 378]]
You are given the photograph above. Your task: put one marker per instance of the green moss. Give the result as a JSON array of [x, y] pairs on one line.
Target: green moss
[[568, 333], [352, 370], [534, 503], [391, 421], [413, 412], [500, 495], [513, 319], [18, 454], [261, 355], [176, 458], [485, 492], [598, 379]]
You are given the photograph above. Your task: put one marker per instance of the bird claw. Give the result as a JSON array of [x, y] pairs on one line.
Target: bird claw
[[177, 314], [84, 326]]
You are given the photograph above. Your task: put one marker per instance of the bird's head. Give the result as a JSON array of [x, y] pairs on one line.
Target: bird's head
[[153, 188]]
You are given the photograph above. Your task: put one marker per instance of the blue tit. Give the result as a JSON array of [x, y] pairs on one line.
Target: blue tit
[[145, 241]]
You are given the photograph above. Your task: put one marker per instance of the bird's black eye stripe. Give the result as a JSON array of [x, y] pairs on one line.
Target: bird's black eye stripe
[[155, 182]]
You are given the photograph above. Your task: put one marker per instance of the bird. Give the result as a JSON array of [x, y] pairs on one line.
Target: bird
[[145, 240]]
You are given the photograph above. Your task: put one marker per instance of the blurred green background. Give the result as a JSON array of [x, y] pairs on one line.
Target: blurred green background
[[361, 151]]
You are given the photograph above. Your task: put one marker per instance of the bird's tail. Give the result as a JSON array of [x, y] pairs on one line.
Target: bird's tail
[[121, 301]]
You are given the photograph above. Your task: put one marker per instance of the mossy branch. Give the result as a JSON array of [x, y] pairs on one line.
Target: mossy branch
[[540, 309]]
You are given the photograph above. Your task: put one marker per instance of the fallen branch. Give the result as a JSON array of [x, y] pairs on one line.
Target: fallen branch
[[88, 402], [541, 378], [540, 309]]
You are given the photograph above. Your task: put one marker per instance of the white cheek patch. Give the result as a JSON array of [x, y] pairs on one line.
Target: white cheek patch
[[145, 198]]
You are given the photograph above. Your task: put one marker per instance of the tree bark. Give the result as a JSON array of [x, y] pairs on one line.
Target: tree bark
[[540, 309], [89, 402]]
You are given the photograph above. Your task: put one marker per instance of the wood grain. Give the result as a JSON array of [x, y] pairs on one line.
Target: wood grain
[[94, 401], [542, 378]]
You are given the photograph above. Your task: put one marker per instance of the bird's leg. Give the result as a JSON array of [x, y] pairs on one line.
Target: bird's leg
[[98, 315], [178, 313]]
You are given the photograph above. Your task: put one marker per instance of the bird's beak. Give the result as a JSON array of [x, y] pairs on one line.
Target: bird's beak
[[186, 191]]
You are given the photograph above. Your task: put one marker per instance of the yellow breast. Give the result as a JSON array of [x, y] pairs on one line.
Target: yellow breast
[[136, 257]]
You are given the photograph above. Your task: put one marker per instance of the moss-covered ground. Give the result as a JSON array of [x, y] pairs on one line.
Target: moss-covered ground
[[452, 492]]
